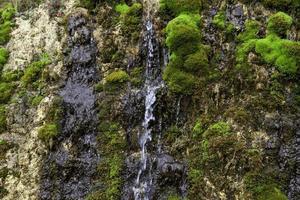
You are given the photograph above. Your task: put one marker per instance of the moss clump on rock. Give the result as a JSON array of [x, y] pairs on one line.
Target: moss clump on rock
[[34, 70], [176, 7], [2, 118], [188, 56], [113, 143], [263, 187], [130, 19], [116, 78], [3, 57], [251, 31], [48, 131], [6, 15], [281, 53], [219, 20], [279, 23], [6, 91], [278, 52]]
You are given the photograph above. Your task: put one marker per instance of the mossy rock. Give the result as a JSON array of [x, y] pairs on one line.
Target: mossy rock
[[6, 91], [48, 131], [3, 57], [3, 126], [176, 7], [34, 70], [279, 23]]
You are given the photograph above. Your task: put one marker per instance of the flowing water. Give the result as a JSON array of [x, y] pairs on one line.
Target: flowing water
[[144, 180]]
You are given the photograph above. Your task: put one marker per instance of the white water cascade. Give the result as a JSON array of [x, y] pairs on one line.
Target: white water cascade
[[144, 180]]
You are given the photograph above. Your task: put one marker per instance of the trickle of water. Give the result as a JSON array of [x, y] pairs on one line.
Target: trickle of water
[[144, 180]]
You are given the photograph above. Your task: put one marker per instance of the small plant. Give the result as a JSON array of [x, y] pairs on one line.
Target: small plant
[[122, 8]]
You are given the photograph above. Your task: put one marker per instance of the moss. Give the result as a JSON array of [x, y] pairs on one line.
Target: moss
[[183, 34], [113, 144], [217, 129], [219, 20], [174, 197], [178, 81], [6, 13], [11, 76], [3, 126], [197, 61], [136, 76], [3, 57], [34, 70], [263, 187], [276, 51], [188, 56], [281, 53], [117, 77], [176, 7], [6, 91], [251, 31], [279, 23], [198, 129], [47, 132], [131, 20], [36, 100]]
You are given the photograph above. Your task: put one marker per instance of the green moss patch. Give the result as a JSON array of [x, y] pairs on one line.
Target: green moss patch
[[47, 132], [281, 53], [279, 23], [6, 13], [34, 71], [176, 7], [188, 56], [130, 19]]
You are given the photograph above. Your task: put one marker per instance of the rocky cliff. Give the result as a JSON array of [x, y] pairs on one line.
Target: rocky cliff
[[150, 99]]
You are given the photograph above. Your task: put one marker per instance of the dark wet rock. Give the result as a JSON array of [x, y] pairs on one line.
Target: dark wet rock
[[236, 15], [170, 168], [68, 170]]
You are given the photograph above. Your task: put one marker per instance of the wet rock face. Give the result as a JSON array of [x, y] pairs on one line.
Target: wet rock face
[[284, 145], [166, 171], [68, 170]]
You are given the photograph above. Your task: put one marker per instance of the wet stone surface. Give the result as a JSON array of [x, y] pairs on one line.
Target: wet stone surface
[[68, 170]]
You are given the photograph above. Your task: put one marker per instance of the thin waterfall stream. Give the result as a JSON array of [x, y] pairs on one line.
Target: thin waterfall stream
[[143, 185]]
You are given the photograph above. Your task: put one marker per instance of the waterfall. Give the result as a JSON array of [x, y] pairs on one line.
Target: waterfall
[[143, 184]]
